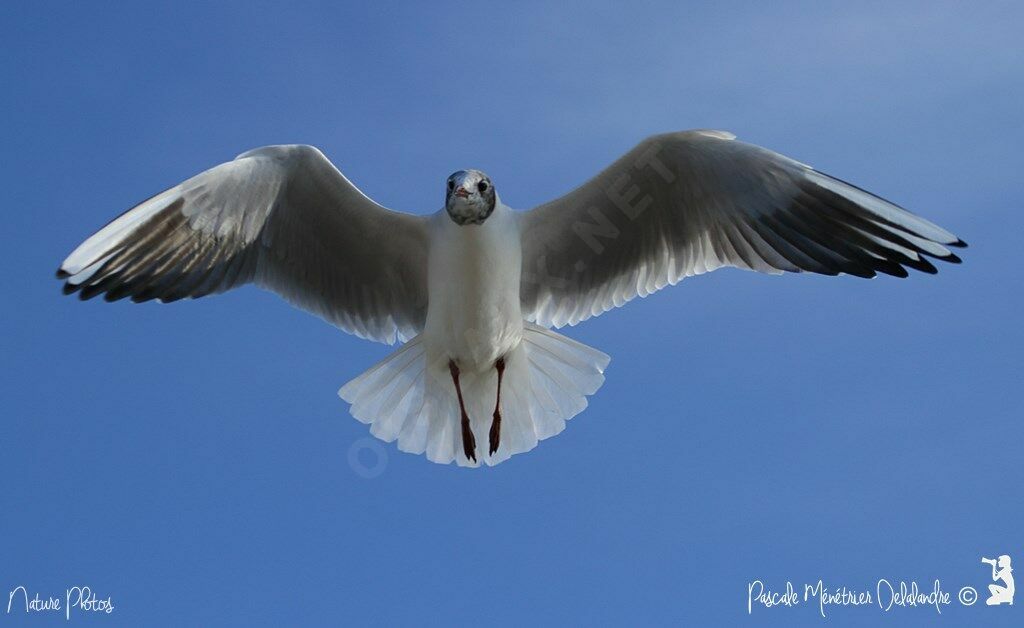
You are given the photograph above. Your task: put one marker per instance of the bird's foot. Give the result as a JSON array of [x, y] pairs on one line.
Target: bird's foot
[[495, 436], [468, 440]]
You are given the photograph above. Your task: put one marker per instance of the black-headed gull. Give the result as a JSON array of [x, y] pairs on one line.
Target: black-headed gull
[[473, 290]]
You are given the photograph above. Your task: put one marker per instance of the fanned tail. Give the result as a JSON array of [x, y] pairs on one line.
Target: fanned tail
[[409, 397]]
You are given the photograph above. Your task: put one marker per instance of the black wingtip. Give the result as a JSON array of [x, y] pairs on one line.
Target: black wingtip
[[952, 259], [69, 288], [142, 297], [110, 296], [893, 270], [90, 292], [62, 274]]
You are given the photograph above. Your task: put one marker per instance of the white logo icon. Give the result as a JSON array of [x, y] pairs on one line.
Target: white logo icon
[[1000, 594]]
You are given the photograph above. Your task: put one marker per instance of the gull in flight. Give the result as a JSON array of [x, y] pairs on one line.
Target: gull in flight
[[474, 290]]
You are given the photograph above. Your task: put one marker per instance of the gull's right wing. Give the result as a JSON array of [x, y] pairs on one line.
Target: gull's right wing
[[282, 217]]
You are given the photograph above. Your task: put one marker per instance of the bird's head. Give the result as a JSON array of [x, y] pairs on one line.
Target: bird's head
[[469, 197]]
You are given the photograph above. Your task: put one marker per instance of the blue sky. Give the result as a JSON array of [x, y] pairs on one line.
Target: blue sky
[[192, 461]]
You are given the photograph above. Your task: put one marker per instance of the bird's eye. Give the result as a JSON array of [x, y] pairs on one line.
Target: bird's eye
[[451, 184], [482, 186]]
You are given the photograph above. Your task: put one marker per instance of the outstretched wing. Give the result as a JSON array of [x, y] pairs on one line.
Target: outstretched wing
[[686, 203], [282, 217]]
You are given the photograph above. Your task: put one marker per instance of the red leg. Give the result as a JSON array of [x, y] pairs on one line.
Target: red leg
[[495, 436], [468, 440]]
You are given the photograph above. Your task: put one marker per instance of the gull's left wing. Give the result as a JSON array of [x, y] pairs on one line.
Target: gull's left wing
[[682, 204]]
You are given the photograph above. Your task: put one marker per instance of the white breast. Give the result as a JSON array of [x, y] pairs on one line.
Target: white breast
[[474, 314]]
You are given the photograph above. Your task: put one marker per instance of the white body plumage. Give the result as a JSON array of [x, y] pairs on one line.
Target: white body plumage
[[473, 275], [474, 319]]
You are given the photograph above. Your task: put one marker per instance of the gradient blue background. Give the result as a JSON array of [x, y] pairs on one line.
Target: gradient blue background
[[192, 460]]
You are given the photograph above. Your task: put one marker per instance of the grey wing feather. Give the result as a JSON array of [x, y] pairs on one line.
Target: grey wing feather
[[282, 217], [682, 204]]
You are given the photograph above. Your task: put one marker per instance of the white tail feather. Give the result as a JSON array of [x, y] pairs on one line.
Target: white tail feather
[[409, 397]]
